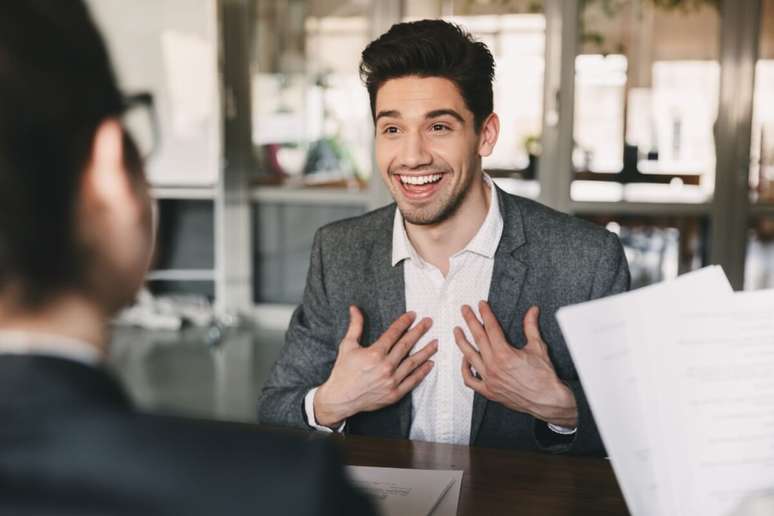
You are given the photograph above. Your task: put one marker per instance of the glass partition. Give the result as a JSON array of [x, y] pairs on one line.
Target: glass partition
[[759, 262], [658, 248], [762, 138], [311, 119], [646, 99]]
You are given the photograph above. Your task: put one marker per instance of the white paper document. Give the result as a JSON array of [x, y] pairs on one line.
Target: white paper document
[[680, 377], [449, 502], [410, 492], [724, 370], [605, 339]]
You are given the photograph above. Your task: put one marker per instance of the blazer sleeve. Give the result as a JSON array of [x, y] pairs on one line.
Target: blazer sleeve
[[307, 358], [611, 276]]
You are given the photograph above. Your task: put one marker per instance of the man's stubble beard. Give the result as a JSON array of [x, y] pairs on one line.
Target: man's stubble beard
[[421, 217]]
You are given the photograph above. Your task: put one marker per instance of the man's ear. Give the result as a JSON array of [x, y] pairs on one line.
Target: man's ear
[[114, 219], [105, 181], [490, 129]]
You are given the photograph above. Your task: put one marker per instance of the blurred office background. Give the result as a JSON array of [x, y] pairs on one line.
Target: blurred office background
[[654, 118]]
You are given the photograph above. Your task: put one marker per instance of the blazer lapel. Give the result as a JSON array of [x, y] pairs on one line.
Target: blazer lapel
[[391, 292], [507, 282]]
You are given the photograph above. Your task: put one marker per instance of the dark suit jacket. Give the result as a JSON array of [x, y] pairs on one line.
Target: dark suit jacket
[[544, 258], [70, 444]]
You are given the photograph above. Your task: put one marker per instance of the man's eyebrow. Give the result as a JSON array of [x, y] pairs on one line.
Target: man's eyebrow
[[392, 113], [443, 112]]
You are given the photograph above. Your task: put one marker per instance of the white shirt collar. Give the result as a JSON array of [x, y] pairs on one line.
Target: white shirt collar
[[484, 242], [43, 344]]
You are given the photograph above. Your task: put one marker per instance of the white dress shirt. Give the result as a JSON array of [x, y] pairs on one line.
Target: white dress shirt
[[442, 405]]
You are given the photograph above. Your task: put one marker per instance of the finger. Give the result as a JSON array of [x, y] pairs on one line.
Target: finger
[[531, 325], [407, 342], [415, 360], [468, 351], [355, 330], [532, 331], [414, 378], [491, 325], [395, 331], [477, 331], [471, 381]]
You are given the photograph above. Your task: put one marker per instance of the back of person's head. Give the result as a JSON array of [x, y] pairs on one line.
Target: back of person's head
[[57, 88], [432, 48]]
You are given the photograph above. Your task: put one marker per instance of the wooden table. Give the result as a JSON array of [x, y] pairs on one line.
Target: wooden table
[[503, 481]]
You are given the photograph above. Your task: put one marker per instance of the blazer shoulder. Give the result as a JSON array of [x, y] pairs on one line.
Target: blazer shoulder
[[379, 218], [242, 467], [354, 234], [547, 226], [176, 439]]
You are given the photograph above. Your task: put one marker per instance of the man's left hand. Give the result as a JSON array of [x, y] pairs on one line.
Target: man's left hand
[[524, 379]]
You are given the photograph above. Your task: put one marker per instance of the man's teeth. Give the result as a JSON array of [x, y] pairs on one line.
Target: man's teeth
[[420, 180]]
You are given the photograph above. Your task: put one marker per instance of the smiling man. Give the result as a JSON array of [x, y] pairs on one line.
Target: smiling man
[[433, 318]]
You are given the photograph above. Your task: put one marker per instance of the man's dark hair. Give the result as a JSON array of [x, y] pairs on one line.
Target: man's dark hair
[[432, 48], [56, 87]]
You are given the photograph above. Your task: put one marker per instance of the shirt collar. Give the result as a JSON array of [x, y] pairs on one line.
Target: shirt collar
[[401, 246], [488, 236], [57, 346], [485, 241]]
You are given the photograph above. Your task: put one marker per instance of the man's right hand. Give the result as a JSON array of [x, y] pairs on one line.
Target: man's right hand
[[366, 379]]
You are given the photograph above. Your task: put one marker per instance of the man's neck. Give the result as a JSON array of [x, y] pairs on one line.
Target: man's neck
[[68, 316], [437, 243]]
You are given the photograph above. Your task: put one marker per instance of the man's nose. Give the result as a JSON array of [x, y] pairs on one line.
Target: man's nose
[[414, 151]]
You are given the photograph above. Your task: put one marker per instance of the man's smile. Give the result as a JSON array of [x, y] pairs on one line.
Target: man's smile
[[416, 187], [420, 180]]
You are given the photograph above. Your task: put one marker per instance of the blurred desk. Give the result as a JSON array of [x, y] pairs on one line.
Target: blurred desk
[[178, 372], [500, 481], [184, 373]]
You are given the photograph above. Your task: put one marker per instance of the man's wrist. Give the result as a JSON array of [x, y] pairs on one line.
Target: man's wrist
[[311, 418], [565, 408], [323, 413]]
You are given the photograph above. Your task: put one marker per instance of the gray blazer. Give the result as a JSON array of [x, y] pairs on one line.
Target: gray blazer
[[544, 258]]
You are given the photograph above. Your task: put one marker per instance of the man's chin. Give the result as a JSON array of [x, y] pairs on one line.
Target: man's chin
[[422, 217], [433, 213]]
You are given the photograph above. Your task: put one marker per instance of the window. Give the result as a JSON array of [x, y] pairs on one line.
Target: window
[[762, 138], [646, 97], [311, 116]]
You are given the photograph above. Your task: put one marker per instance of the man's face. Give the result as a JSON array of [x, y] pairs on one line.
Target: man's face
[[427, 148]]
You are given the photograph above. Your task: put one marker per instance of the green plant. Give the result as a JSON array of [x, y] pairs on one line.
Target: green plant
[[532, 145]]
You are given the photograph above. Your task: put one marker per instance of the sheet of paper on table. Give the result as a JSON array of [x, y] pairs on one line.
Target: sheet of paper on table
[[679, 376], [410, 492]]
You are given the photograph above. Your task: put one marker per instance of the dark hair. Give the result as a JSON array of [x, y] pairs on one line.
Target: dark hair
[[432, 48], [56, 87]]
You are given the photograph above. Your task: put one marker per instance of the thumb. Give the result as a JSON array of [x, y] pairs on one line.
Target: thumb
[[354, 331], [531, 327]]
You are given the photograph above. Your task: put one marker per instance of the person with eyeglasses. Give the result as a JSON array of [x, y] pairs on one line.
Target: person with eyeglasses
[[75, 242]]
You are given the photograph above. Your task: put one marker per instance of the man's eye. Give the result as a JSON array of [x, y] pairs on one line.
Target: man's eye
[[440, 127], [390, 130]]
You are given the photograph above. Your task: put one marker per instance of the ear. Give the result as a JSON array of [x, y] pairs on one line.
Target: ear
[[105, 182], [114, 220], [490, 129]]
